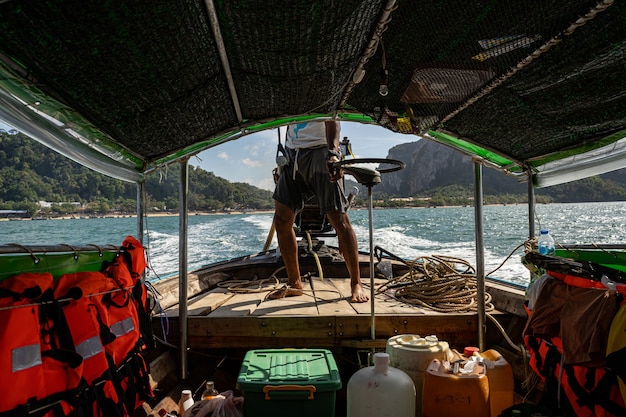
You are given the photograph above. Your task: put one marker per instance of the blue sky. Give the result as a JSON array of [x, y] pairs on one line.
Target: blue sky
[[252, 158]]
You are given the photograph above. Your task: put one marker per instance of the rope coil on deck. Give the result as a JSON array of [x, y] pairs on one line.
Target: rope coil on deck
[[252, 286], [441, 283]]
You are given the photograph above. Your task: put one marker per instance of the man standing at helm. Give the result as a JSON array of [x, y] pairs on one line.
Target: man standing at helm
[[312, 148]]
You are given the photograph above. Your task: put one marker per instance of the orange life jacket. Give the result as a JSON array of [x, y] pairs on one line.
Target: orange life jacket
[[135, 257], [120, 314], [78, 350], [39, 380], [590, 391], [125, 350], [80, 326], [21, 369]]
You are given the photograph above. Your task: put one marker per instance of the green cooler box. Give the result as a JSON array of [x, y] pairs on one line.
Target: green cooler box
[[289, 383]]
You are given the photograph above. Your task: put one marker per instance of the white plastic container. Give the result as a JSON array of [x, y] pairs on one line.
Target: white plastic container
[[186, 402], [380, 391], [412, 354]]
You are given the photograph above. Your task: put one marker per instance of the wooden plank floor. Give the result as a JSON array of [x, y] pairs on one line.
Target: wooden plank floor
[[323, 317], [327, 297]]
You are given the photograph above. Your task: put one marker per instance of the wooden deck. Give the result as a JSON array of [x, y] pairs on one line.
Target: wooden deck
[[322, 317], [224, 324]]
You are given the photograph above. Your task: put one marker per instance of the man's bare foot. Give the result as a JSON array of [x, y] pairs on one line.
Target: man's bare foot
[[358, 294], [285, 292]]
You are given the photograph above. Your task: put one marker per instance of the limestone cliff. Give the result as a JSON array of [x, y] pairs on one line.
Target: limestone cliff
[[430, 165]]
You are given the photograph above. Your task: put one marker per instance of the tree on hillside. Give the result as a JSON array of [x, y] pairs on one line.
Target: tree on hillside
[[30, 172]]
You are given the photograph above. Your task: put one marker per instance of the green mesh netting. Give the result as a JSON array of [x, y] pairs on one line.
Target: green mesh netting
[[519, 79]]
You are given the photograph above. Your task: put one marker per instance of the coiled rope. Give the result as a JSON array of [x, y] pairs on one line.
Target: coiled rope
[[441, 283], [448, 285]]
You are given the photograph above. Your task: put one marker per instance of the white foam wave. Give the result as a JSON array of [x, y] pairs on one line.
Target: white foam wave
[[261, 221], [407, 233]]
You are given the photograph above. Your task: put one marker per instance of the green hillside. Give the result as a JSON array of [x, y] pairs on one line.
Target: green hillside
[[435, 175], [30, 172]]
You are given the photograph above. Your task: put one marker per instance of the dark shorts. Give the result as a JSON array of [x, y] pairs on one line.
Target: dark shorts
[[311, 179]]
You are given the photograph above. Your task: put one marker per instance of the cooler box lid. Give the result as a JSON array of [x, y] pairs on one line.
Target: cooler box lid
[[264, 367]]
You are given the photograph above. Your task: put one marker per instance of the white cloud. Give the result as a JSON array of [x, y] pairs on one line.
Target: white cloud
[[252, 150], [261, 145], [266, 183], [253, 163], [223, 155]]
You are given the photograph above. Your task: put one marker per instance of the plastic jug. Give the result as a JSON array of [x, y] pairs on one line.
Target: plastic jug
[[380, 391], [453, 394], [501, 383], [412, 354]]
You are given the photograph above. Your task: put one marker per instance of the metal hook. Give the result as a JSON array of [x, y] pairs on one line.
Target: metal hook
[[72, 249], [97, 247], [35, 258]]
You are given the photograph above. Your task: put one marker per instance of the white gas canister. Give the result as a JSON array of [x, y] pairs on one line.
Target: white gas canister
[[412, 354], [380, 391]]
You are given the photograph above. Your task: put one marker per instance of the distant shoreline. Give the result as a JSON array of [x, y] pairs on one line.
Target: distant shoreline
[[211, 213], [269, 211], [121, 216]]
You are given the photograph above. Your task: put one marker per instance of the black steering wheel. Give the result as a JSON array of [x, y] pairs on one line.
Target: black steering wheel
[[365, 175], [395, 164]]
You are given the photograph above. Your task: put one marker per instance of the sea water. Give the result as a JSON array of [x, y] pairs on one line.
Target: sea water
[[409, 233]]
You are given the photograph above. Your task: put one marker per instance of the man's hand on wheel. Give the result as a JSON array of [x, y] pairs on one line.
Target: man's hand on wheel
[[335, 173]]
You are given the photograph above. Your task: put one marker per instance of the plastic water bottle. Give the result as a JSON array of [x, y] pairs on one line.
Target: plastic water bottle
[[545, 243], [210, 392]]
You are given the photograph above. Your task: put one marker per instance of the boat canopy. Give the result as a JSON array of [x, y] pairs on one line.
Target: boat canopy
[[126, 88]]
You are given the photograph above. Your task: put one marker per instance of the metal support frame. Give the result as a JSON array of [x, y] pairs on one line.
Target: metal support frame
[[369, 177], [140, 210], [480, 254], [370, 210], [531, 207], [217, 33], [531, 211], [182, 267]]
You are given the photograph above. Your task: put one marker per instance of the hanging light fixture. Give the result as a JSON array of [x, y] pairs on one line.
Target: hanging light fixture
[[383, 90]]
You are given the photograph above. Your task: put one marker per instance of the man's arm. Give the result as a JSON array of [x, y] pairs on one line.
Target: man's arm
[[332, 141], [333, 131]]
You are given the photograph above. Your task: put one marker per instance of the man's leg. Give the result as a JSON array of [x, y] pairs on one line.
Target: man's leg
[[350, 251], [284, 218]]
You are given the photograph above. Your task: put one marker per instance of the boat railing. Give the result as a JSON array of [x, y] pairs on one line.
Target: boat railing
[[55, 259]]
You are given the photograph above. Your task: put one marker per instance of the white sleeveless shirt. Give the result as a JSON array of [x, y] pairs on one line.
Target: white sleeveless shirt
[[306, 135]]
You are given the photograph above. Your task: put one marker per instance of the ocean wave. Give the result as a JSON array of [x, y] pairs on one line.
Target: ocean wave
[[408, 233]]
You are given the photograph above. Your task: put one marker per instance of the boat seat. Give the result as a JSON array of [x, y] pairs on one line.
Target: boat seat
[[310, 220]]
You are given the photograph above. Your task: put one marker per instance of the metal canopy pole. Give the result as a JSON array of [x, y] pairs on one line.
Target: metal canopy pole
[[182, 266], [480, 253], [140, 211], [531, 206], [531, 212], [369, 177], [370, 209], [221, 49]]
